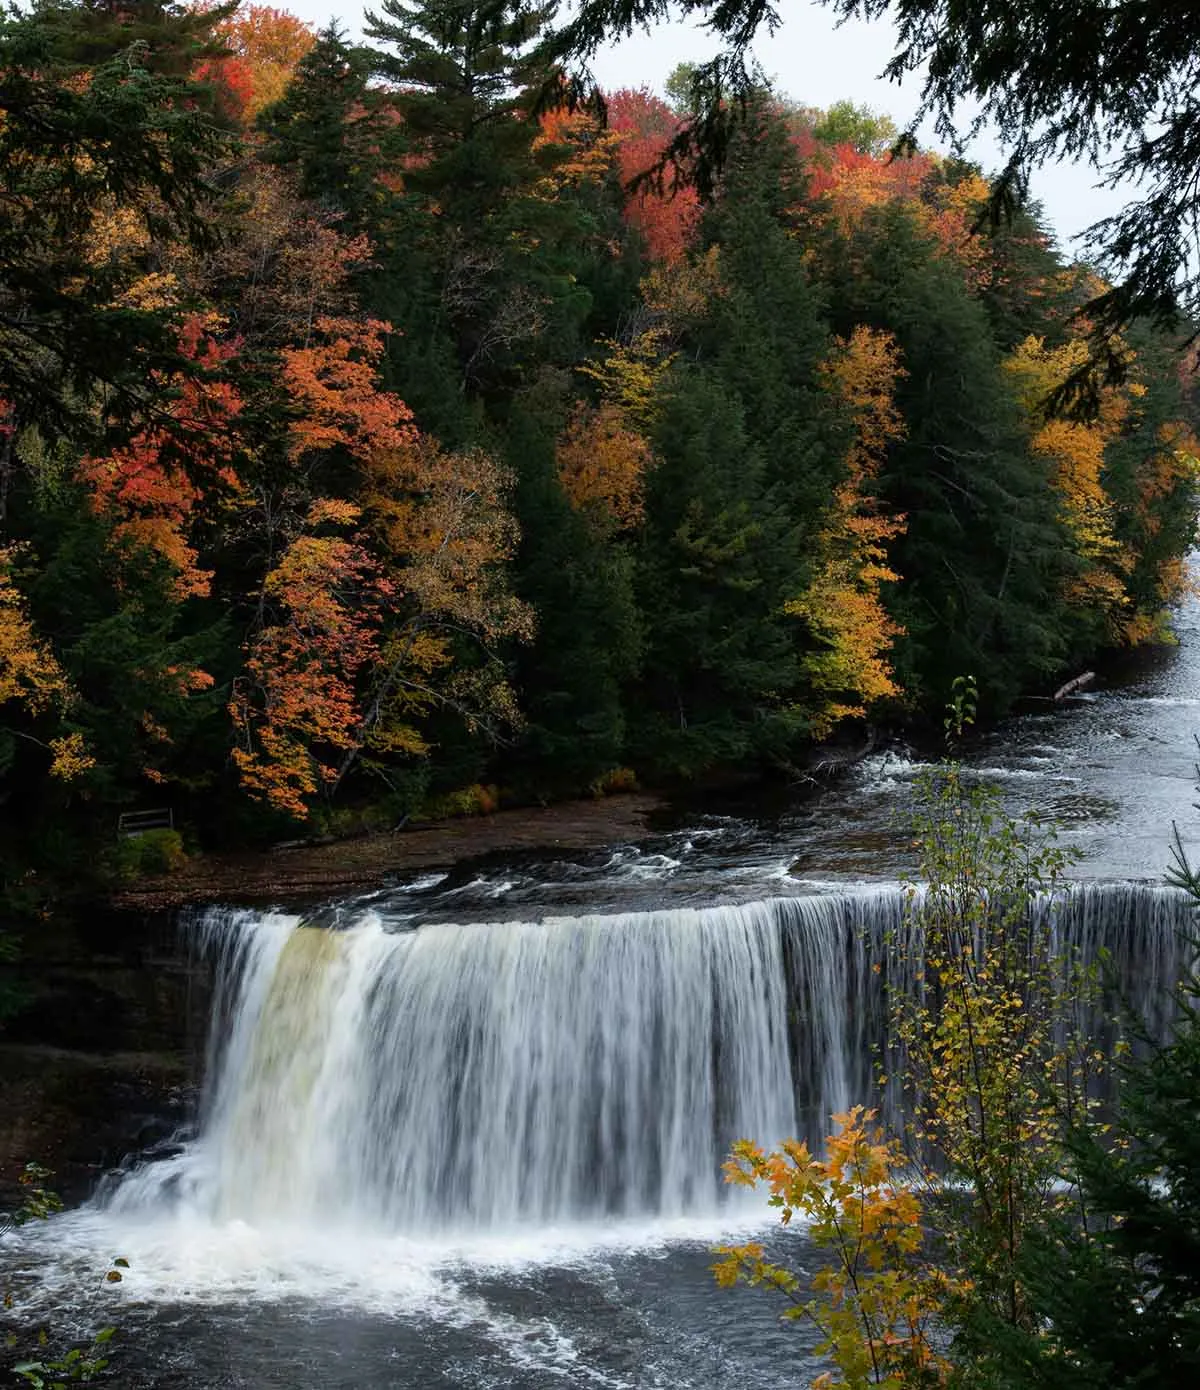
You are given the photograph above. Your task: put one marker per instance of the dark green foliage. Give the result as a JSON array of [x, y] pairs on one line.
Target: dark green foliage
[[751, 449], [121, 640], [462, 69], [1118, 1297], [473, 291], [1029, 290], [148, 854], [338, 133], [983, 557], [717, 561], [142, 133], [574, 674], [766, 335], [750, 452]]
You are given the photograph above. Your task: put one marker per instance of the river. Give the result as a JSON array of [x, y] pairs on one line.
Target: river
[[465, 1131]]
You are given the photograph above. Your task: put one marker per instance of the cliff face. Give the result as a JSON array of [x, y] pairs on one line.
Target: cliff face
[[101, 1049]]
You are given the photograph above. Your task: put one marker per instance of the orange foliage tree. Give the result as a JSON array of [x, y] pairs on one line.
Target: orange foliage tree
[[581, 151], [844, 183], [332, 381], [296, 706], [324, 598], [159, 484], [266, 45], [666, 216], [361, 608]]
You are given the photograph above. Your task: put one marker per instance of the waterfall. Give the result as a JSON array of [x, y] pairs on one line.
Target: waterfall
[[482, 1075]]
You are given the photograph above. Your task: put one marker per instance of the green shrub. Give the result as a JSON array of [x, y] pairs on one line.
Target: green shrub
[[147, 855], [475, 800]]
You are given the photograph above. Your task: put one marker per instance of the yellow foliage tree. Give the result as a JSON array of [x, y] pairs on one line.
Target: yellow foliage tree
[[1074, 450], [31, 676], [851, 668], [29, 671], [629, 375], [673, 295], [445, 535], [580, 151], [877, 1302], [602, 464]]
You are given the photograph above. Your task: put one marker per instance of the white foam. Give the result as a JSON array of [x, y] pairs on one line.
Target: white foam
[[181, 1257], [421, 884]]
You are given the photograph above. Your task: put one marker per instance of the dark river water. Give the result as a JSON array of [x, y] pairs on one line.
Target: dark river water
[[467, 1133]]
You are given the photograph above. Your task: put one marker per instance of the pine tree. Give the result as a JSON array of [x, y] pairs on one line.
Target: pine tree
[[765, 333], [717, 560], [573, 676], [339, 133], [491, 262], [461, 73], [982, 561]]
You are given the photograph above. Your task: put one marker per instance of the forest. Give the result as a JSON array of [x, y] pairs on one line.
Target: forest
[[385, 432]]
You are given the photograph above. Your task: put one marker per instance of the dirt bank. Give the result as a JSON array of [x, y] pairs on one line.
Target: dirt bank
[[350, 865]]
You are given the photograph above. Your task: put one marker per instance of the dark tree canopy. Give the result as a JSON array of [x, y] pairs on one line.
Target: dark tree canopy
[[1113, 82], [95, 104]]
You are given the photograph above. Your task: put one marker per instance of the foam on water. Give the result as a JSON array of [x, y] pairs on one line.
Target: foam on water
[[182, 1256]]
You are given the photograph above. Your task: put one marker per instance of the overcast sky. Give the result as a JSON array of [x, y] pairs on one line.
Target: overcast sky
[[815, 62]]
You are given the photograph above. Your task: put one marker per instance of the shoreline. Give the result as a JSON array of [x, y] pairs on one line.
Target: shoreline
[[369, 861]]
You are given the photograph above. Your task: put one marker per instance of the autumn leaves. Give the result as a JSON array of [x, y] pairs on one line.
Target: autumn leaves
[[403, 425]]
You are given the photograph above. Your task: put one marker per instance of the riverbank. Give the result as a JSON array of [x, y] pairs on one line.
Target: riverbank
[[370, 861]]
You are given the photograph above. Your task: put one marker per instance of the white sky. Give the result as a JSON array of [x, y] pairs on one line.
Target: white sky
[[815, 62]]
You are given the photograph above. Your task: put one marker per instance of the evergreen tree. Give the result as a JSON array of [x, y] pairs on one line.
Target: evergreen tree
[[339, 133], [574, 674], [492, 266], [737, 501], [462, 72], [1028, 289], [717, 561], [1116, 1287], [983, 557], [765, 333]]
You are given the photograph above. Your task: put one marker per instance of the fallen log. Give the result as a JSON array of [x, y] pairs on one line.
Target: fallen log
[[1073, 685]]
